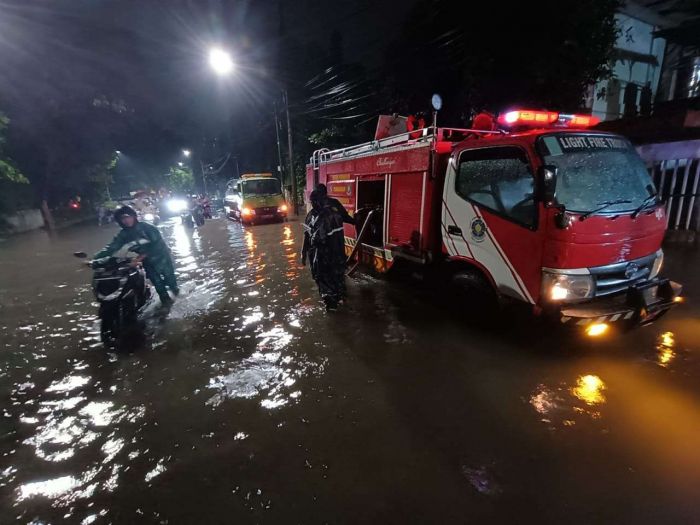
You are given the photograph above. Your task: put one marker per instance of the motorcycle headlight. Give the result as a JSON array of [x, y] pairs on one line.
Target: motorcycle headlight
[[177, 205], [658, 263], [564, 287]]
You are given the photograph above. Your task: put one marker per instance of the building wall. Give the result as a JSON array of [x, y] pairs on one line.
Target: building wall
[[637, 37], [23, 221]]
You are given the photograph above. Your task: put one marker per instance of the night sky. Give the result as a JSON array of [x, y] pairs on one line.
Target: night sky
[[152, 55]]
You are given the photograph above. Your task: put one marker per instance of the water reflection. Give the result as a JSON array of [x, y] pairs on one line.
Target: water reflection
[[51, 488], [559, 407], [68, 383], [544, 401], [250, 241], [589, 389], [181, 241], [664, 348], [268, 372]]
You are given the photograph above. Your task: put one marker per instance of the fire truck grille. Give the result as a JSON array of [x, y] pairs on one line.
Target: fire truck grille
[[614, 278]]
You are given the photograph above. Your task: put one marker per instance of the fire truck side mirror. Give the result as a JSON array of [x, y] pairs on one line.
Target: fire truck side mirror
[[548, 179]]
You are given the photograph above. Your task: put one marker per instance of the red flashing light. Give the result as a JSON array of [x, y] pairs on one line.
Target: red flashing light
[[520, 116], [530, 118], [583, 121]]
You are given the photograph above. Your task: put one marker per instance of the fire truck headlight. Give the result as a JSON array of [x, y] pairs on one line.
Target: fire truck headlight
[[658, 263], [563, 287]]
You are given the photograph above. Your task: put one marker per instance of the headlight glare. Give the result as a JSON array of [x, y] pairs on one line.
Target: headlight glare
[[559, 287]]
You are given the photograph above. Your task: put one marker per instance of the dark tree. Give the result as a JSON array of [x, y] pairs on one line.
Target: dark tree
[[492, 54]]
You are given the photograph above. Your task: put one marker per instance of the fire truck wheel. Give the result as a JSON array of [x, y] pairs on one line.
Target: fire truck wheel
[[474, 293]]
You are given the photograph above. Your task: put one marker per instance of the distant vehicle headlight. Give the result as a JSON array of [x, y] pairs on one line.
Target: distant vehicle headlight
[[563, 287], [176, 205], [149, 217], [282, 209]]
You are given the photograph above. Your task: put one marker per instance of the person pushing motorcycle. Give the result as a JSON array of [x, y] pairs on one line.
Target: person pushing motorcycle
[[145, 240]]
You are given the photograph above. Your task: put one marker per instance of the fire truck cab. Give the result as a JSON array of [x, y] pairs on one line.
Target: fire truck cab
[[535, 205]]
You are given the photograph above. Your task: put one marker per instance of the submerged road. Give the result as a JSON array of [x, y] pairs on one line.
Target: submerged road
[[247, 403]]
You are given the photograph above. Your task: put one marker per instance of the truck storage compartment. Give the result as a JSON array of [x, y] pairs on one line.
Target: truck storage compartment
[[370, 196], [405, 208]]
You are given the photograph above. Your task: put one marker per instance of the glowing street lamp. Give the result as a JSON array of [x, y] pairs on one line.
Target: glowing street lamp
[[220, 61], [186, 152]]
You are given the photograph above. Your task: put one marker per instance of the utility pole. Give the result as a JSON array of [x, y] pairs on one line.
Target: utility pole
[[238, 172], [295, 203], [204, 176], [279, 146]]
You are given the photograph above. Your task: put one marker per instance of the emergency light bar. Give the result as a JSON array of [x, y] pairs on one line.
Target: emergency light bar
[[531, 118]]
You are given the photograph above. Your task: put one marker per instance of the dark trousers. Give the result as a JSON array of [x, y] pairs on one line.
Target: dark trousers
[[163, 278], [328, 270]]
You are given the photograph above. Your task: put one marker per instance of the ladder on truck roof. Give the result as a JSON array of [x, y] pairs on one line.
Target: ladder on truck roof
[[403, 140]]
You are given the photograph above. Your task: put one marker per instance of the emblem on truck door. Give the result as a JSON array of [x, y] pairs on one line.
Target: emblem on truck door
[[478, 229]]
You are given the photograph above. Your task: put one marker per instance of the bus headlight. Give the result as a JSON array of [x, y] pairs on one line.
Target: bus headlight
[[563, 287], [658, 263]]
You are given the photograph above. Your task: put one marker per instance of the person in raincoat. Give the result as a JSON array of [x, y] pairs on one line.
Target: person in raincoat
[[324, 247], [145, 240], [334, 203]]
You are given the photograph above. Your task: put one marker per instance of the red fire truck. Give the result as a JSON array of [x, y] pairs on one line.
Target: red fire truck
[[532, 204]]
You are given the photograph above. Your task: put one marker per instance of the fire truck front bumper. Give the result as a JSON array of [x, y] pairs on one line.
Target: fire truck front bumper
[[639, 305]]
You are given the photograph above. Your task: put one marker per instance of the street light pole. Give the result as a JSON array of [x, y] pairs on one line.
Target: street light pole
[[279, 146], [204, 177], [295, 203]]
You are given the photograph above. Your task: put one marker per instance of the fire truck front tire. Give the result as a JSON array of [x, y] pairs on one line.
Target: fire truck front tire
[[474, 294]]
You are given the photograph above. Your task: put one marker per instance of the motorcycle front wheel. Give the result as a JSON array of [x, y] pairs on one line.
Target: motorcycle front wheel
[[110, 323]]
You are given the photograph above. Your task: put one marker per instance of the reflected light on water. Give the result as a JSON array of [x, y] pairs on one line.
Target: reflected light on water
[[667, 339], [183, 243], [51, 488], [68, 383], [589, 389], [250, 240], [543, 401], [665, 354]]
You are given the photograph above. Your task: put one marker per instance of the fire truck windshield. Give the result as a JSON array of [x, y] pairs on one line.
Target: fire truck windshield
[[595, 170], [261, 187]]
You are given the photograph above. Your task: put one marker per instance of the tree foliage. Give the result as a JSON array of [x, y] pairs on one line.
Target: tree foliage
[[8, 171], [180, 179], [488, 55]]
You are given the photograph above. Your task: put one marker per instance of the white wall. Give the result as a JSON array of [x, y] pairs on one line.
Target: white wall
[[635, 36], [25, 220]]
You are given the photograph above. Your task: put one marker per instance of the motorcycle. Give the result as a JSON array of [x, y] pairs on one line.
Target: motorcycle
[[206, 210], [193, 216], [119, 285]]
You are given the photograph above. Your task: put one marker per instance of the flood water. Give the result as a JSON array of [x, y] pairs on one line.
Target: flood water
[[247, 403]]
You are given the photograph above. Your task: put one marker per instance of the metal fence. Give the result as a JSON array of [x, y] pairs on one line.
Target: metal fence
[[675, 168]]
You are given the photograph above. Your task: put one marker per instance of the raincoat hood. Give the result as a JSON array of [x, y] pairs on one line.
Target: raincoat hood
[[121, 212]]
